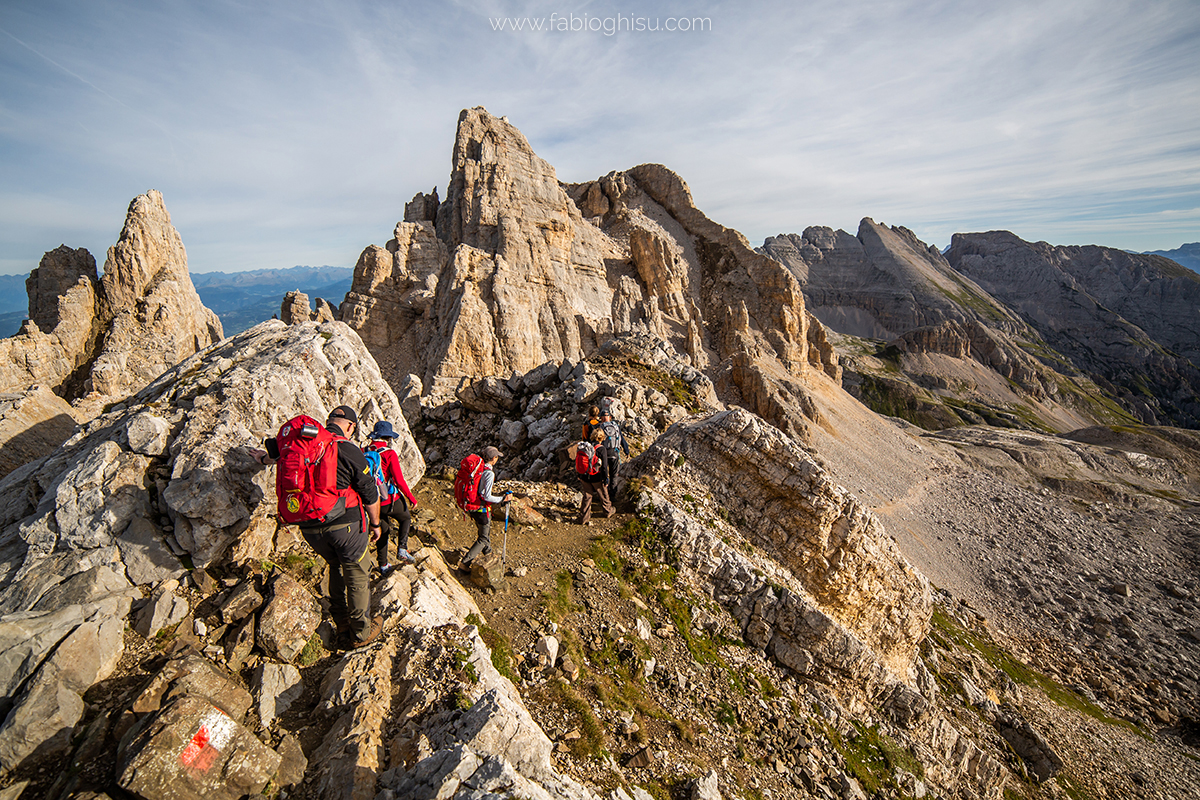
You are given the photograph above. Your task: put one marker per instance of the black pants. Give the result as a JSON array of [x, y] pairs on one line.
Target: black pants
[[483, 542], [394, 514], [344, 545], [614, 463]]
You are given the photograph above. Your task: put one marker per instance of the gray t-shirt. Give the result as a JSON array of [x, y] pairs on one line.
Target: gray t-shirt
[[485, 487]]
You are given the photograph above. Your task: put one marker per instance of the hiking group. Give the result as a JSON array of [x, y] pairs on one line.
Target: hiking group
[[345, 504], [597, 458]]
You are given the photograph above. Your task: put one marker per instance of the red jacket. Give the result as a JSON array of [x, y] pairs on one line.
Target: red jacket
[[391, 468]]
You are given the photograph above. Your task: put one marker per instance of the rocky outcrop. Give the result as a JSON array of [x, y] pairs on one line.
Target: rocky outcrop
[[60, 337], [848, 580], [105, 338], [295, 309], [516, 269], [1128, 320]]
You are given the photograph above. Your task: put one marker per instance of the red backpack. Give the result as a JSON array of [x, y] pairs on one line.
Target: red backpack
[[306, 476], [466, 483], [586, 460]]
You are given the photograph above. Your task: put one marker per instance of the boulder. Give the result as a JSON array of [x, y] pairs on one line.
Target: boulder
[[148, 434], [192, 750], [146, 556], [162, 610], [487, 571], [488, 395], [242, 601], [277, 687], [295, 308], [289, 619], [33, 422], [43, 717]]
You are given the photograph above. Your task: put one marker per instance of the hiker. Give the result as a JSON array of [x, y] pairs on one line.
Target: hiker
[[330, 501], [614, 445], [591, 423], [591, 467], [473, 493], [395, 498]]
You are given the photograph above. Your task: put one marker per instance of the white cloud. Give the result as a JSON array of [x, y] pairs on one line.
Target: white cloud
[[285, 133]]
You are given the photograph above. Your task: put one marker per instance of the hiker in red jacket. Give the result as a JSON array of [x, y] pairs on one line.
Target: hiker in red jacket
[[395, 498]]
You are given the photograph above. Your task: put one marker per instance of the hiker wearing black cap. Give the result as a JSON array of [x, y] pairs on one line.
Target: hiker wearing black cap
[[338, 536], [395, 498], [481, 510]]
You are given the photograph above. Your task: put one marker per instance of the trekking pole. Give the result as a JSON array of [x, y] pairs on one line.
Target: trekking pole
[[504, 556]]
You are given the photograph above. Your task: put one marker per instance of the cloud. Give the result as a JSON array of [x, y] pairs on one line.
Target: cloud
[[287, 133]]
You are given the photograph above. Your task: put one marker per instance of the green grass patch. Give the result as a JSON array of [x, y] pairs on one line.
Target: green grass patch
[[462, 660], [557, 601], [591, 740], [872, 756], [949, 631], [300, 566], [1073, 788], [501, 649], [312, 651]]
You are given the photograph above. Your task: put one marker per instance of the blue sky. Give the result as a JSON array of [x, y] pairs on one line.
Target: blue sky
[[284, 133]]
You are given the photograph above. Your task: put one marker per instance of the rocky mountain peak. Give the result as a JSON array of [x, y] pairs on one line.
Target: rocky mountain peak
[[520, 269], [98, 340]]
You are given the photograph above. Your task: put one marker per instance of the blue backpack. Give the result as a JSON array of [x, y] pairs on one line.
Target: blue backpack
[[387, 489]]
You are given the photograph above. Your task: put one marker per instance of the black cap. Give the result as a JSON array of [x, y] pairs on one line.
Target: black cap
[[344, 412]]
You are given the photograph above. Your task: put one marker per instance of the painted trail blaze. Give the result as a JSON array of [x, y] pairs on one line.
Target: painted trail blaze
[[211, 737]]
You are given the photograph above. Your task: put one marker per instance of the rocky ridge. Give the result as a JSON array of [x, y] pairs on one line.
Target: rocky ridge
[[750, 631], [1127, 320]]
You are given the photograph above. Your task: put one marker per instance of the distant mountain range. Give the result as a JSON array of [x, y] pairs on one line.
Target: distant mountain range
[[240, 299], [244, 299], [1186, 254]]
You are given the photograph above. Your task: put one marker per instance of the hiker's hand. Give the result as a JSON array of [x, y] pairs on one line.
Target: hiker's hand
[[260, 456], [376, 530]]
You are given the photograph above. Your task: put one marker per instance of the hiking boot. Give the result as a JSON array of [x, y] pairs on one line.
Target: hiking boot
[[386, 569], [372, 635], [405, 557]]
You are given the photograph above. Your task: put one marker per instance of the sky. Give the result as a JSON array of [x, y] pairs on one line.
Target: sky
[[292, 132]]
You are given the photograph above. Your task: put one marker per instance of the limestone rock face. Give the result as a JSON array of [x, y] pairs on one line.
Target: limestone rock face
[[1128, 320], [157, 319], [788, 506], [518, 270], [106, 338]]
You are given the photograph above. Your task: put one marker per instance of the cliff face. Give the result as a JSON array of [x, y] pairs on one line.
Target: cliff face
[[515, 269], [1129, 320], [102, 339]]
